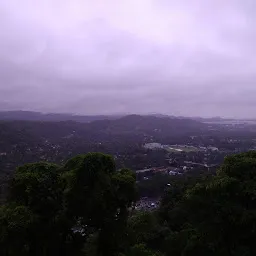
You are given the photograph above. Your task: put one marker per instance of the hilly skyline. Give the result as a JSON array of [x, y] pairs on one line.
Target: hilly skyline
[[56, 117]]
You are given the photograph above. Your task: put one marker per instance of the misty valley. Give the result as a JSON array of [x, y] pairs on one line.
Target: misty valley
[[125, 185], [149, 145]]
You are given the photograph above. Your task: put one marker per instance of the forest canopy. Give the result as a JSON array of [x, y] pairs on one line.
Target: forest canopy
[[86, 207]]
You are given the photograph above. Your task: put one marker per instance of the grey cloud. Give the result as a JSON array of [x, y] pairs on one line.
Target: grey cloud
[[187, 57]]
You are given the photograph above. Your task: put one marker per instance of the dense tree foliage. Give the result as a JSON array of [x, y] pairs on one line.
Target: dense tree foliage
[[86, 208], [216, 217], [54, 210]]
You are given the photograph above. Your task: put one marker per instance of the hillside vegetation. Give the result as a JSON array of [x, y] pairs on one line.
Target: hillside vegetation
[[85, 207], [24, 141]]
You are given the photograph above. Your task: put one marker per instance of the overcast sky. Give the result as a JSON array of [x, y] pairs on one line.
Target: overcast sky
[[178, 57]]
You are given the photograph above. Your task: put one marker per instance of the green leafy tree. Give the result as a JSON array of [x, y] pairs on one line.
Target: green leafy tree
[[141, 250], [57, 209], [144, 228], [39, 187], [217, 217], [16, 224], [98, 197]]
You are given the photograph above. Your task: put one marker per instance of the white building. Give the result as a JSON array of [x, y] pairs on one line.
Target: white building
[[213, 148], [153, 145]]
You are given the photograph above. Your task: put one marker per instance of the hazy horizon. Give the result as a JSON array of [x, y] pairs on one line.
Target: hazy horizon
[[123, 114], [182, 58]]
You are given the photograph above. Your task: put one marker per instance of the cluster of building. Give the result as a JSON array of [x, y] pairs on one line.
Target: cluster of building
[[147, 204], [178, 148], [181, 159], [145, 174]]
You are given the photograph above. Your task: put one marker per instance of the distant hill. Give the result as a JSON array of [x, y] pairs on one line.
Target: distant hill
[[28, 139], [50, 117], [36, 125], [147, 125]]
